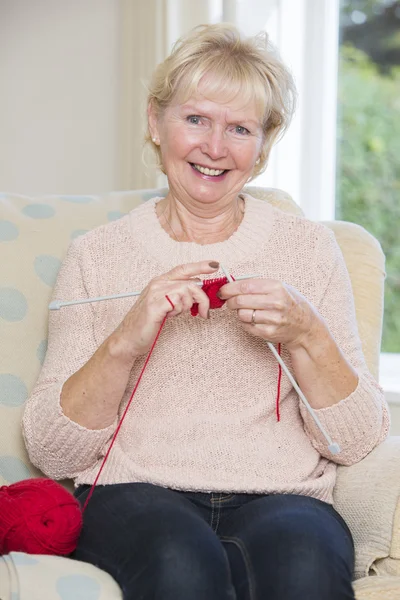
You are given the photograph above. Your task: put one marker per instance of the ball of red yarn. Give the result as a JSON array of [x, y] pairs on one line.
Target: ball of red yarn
[[38, 516]]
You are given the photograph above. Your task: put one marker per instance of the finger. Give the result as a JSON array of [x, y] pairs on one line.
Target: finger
[[191, 270], [255, 301], [262, 331], [197, 280], [184, 295], [249, 286], [187, 301], [261, 317], [201, 298], [174, 303]]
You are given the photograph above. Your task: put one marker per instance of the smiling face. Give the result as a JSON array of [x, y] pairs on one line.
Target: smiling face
[[208, 148]]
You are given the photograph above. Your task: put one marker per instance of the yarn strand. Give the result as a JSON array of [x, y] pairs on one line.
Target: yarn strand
[[126, 409], [278, 395]]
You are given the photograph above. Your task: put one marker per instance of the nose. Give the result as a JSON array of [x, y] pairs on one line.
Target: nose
[[215, 145]]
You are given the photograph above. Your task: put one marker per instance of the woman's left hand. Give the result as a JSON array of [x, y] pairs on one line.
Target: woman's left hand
[[282, 314]]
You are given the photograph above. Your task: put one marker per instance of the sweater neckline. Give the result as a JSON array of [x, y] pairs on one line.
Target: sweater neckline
[[254, 230]]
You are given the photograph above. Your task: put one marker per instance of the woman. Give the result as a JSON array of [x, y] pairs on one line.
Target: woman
[[206, 493]]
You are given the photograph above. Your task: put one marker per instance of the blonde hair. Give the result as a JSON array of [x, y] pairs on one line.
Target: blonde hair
[[248, 68]]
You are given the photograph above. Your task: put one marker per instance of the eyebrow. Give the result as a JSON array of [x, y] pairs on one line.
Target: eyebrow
[[198, 109]]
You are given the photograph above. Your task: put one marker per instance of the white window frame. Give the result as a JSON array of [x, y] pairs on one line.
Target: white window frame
[[306, 33]]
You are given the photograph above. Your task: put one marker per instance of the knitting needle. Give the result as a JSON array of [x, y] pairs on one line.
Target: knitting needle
[[57, 304], [333, 447]]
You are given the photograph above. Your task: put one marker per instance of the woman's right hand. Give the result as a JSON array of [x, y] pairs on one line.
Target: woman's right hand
[[138, 330]]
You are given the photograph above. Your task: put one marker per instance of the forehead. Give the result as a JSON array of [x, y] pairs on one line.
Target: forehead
[[234, 109], [218, 95]]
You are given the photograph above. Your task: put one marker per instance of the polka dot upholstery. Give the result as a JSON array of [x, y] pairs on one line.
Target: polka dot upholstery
[[8, 231], [34, 236], [25, 577]]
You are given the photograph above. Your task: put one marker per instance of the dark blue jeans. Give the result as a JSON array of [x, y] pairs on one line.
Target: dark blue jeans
[[162, 544]]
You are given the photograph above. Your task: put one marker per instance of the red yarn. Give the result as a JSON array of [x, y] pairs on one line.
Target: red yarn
[[38, 516], [126, 409], [278, 396], [211, 287]]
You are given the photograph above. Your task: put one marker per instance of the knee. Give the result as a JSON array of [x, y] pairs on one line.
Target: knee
[[183, 563], [311, 563], [314, 574], [307, 559], [310, 546]]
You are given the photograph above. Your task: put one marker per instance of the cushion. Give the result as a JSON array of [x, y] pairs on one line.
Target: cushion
[[367, 496], [40, 577], [390, 564], [377, 588]]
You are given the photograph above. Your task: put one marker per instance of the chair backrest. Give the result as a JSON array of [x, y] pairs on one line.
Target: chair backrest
[[34, 236]]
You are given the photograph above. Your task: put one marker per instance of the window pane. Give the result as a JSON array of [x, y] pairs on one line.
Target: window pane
[[368, 175]]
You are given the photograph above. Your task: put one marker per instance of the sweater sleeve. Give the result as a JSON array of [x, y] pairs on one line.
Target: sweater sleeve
[[361, 421], [58, 446]]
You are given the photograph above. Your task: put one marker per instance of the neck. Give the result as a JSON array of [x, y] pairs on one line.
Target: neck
[[208, 225]]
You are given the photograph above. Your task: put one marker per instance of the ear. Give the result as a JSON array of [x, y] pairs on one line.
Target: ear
[[153, 121]]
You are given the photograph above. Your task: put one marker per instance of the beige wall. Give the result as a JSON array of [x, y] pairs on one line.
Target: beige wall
[[58, 101]]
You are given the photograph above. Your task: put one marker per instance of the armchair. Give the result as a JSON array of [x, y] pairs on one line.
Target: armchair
[[34, 235]]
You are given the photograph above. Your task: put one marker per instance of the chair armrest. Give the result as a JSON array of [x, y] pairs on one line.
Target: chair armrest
[[365, 262], [377, 588], [367, 495]]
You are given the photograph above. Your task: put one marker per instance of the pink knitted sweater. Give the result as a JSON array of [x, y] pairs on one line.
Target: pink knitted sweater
[[203, 417]]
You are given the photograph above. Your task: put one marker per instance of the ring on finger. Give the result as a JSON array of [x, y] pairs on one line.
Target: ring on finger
[[253, 317]]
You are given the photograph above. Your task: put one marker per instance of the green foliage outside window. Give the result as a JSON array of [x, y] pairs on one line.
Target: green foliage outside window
[[368, 182]]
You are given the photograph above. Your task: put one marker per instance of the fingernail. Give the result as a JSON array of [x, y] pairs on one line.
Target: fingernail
[[219, 295], [214, 264]]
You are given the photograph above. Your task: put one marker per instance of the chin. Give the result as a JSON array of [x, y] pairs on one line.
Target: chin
[[206, 197], [208, 193]]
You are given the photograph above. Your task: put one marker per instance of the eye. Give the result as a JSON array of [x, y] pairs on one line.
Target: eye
[[193, 119], [241, 130]]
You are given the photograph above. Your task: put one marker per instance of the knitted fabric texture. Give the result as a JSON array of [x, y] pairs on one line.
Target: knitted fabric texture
[[204, 416], [211, 288]]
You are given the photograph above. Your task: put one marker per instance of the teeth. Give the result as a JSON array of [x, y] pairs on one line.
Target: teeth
[[206, 171]]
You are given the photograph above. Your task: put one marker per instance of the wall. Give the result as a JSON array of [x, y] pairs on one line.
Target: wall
[[58, 101]]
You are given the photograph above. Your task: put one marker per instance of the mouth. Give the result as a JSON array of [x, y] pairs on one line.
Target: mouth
[[207, 171]]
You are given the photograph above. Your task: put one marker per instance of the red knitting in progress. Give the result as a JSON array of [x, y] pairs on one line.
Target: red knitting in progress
[[211, 288]]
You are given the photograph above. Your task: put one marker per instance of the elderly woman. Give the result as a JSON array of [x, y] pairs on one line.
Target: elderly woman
[[207, 493]]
